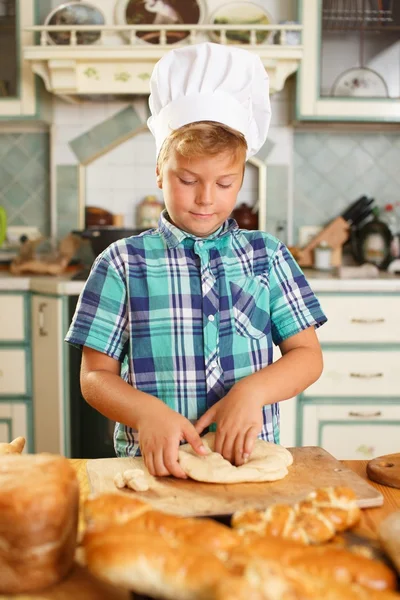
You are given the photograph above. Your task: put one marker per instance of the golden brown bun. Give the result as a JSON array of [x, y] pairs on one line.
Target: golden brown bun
[[316, 519], [117, 507], [39, 499], [325, 561], [14, 447], [149, 565]]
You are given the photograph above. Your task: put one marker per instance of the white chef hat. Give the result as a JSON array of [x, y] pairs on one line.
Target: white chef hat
[[210, 82]]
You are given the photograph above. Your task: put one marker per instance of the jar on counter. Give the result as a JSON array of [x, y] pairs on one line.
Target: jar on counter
[[323, 256], [148, 212]]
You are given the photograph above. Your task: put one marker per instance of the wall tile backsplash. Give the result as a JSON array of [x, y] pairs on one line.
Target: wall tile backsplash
[[333, 169], [24, 179]]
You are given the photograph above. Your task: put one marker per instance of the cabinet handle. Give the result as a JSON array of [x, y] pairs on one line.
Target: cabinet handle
[[366, 375], [367, 321], [365, 415], [42, 330]]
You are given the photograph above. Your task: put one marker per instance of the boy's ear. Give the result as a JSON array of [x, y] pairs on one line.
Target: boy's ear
[[159, 178]]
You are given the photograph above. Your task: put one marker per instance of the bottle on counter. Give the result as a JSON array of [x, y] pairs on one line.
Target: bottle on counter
[[323, 256], [374, 242], [391, 219]]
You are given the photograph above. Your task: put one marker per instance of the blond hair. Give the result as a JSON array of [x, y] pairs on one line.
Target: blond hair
[[204, 138]]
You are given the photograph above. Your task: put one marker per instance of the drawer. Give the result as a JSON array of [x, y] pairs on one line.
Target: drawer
[[13, 372], [361, 319], [12, 318], [13, 421], [358, 373], [352, 431]]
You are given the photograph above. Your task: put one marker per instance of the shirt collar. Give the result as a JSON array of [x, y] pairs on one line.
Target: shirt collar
[[174, 236]]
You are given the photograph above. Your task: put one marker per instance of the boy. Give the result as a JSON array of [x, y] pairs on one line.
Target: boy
[[177, 324]]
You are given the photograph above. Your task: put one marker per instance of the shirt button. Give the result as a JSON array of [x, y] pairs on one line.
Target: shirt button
[[211, 318], [214, 364]]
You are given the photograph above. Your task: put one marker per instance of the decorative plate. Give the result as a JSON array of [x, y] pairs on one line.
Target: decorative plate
[[74, 13], [240, 13], [360, 82], [159, 12]]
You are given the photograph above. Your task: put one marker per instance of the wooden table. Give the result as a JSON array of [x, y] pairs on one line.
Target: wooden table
[[81, 586]]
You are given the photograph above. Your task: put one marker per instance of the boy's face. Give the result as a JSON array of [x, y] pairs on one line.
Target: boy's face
[[200, 193]]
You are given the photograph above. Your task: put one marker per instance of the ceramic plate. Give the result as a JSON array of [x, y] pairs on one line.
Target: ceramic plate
[[361, 83], [240, 13], [75, 13], [159, 12]]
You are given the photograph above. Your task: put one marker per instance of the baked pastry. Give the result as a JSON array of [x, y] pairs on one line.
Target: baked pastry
[[268, 462], [316, 519], [14, 447], [39, 501]]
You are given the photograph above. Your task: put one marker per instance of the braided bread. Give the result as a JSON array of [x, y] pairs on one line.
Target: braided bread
[[315, 519]]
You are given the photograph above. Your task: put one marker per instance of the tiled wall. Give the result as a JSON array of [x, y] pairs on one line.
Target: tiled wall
[[333, 169], [24, 179]]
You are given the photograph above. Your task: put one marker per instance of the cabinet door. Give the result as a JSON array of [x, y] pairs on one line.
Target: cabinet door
[[48, 393], [13, 372], [352, 431], [14, 422], [12, 318], [17, 80], [338, 38]]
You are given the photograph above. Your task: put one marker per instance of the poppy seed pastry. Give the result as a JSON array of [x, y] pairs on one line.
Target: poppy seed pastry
[[39, 501]]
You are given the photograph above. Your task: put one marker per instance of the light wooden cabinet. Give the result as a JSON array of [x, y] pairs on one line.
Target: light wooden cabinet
[[17, 80], [51, 421], [353, 410], [15, 368], [337, 39]]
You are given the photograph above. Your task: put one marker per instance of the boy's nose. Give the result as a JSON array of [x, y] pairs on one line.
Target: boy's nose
[[204, 197]]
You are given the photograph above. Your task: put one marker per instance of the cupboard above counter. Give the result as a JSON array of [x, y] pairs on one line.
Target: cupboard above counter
[[351, 57]]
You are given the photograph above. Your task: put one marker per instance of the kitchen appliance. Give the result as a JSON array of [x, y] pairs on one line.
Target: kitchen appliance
[[101, 237], [337, 232], [313, 467], [97, 217], [385, 470]]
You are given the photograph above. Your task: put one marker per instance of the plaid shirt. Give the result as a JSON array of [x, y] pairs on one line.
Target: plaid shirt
[[188, 317]]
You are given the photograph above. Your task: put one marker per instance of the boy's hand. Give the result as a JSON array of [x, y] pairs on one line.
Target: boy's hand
[[239, 421], [160, 434]]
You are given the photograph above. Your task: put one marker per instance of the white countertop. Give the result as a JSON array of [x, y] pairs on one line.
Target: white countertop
[[319, 281]]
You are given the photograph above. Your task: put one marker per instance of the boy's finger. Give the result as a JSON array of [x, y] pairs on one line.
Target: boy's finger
[[238, 449], [250, 438], [193, 438], [159, 467], [205, 420], [148, 461], [171, 463]]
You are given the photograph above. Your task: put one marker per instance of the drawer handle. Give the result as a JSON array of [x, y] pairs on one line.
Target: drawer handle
[[365, 415], [366, 375], [367, 321]]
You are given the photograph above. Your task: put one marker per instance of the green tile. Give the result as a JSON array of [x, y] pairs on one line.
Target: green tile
[[34, 143], [5, 178], [67, 199], [13, 160], [17, 195], [67, 175], [102, 136], [34, 173], [6, 143]]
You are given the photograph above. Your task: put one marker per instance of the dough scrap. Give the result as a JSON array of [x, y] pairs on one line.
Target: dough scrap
[[135, 479], [268, 462]]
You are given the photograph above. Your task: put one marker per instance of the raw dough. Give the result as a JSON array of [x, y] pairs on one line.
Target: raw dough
[[268, 462], [135, 479]]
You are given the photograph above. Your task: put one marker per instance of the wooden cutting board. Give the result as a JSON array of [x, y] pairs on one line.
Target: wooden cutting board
[[312, 467], [385, 470]]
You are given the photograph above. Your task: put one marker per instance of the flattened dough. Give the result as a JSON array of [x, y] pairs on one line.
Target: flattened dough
[[268, 462]]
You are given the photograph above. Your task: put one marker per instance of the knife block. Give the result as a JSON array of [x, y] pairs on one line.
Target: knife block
[[335, 235]]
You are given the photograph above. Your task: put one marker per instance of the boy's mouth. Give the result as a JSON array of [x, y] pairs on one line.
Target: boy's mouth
[[202, 215]]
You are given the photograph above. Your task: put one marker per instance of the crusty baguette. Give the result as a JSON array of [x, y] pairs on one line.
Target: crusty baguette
[[149, 565], [117, 507], [14, 447], [39, 499], [332, 563]]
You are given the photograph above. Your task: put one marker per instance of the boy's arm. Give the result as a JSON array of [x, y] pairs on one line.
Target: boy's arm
[[238, 415], [160, 428]]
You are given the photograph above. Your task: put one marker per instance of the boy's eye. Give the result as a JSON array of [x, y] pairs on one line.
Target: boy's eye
[[225, 186], [186, 182]]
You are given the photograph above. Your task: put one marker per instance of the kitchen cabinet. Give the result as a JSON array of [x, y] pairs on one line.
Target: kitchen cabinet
[[17, 80], [337, 38], [15, 368], [353, 410], [50, 393]]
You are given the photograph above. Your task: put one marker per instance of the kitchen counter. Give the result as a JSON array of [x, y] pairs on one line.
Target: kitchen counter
[[320, 281], [81, 586]]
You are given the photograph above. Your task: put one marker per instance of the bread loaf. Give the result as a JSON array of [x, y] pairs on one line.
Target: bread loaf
[[14, 447], [39, 499], [316, 519]]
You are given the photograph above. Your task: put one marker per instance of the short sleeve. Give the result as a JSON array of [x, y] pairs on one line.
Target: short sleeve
[[100, 320], [293, 305]]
